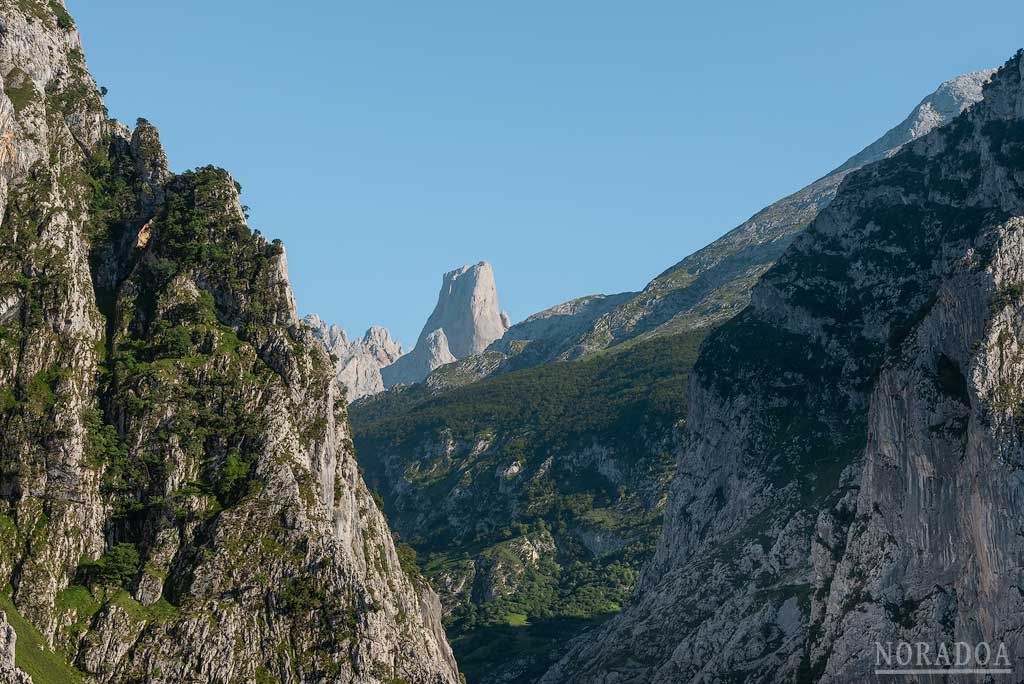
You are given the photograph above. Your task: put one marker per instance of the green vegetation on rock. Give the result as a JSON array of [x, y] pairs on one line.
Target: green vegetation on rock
[[118, 566], [33, 655]]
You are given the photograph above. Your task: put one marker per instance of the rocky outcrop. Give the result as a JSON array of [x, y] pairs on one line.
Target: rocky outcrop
[[938, 109], [179, 497], [851, 473], [9, 672], [464, 322], [358, 362], [417, 365]]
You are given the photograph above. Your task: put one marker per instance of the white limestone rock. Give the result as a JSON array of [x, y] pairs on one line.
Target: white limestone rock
[[938, 109], [465, 321], [9, 672], [358, 361]]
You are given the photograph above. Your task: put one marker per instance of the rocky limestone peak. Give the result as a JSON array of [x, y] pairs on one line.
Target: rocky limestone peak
[[467, 310], [333, 336], [378, 341], [358, 362], [938, 109], [468, 318]]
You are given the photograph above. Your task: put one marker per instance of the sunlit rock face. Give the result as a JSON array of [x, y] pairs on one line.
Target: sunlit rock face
[[465, 321], [358, 362]]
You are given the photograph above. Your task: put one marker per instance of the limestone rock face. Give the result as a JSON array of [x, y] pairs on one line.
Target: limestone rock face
[[851, 465], [465, 321], [9, 672], [945, 104], [358, 361], [175, 454]]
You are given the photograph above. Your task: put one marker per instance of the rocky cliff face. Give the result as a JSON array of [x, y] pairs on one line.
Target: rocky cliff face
[[464, 322], [179, 498], [947, 102], [9, 672], [358, 362], [853, 453]]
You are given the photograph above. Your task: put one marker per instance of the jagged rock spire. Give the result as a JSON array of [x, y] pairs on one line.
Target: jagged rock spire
[[465, 321]]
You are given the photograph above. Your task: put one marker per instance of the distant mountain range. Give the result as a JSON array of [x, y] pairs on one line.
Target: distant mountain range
[[703, 289], [464, 322]]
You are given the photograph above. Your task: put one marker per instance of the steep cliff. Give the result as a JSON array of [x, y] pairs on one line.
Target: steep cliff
[[852, 465], [179, 498], [357, 362], [466, 319]]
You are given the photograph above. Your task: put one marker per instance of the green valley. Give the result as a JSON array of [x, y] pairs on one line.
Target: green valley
[[532, 499]]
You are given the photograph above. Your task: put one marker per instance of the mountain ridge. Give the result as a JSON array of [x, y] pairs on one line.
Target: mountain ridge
[[712, 284], [359, 361]]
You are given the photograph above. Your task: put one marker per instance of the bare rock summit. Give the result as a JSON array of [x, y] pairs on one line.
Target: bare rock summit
[[358, 362], [465, 321]]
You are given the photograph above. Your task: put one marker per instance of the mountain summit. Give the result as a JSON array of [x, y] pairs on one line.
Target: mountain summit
[[465, 321], [358, 361]]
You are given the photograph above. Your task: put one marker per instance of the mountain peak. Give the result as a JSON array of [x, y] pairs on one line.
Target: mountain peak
[[468, 316], [948, 101], [358, 361], [467, 310]]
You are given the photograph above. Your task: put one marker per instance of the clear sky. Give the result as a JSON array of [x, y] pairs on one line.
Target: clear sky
[[580, 146]]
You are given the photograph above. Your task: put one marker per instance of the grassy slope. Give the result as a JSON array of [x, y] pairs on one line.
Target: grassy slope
[[32, 654]]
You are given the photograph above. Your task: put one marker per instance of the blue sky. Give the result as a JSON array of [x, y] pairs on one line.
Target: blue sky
[[579, 146]]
